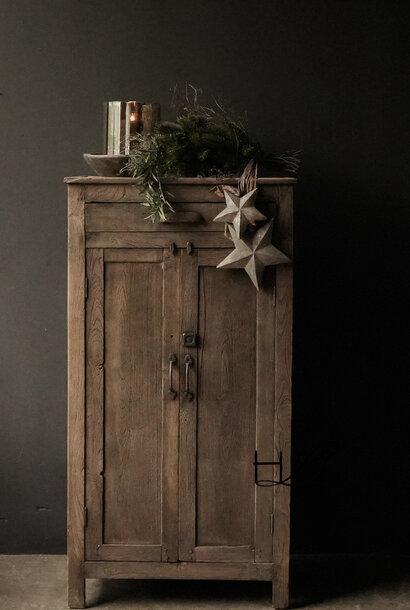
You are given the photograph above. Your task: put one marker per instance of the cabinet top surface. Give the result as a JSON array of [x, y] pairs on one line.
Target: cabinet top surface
[[194, 180]]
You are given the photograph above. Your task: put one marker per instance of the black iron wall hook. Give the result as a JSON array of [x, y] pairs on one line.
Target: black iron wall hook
[[267, 482]]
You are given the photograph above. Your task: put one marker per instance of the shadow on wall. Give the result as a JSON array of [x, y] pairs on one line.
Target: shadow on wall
[[349, 420]]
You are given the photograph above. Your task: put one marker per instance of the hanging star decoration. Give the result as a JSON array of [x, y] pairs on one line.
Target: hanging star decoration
[[253, 253], [240, 211]]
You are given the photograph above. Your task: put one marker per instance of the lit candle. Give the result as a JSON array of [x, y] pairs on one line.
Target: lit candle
[[132, 123]]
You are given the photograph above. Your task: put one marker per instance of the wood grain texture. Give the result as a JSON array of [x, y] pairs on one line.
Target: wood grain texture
[[119, 193], [132, 217], [170, 411], [169, 482], [283, 406], [181, 570], [199, 191], [133, 413], [76, 396], [226, 409], [207, 239], [265, 404], [179, 192], [131, 255], [210, 257], [130, 552], [124, 414], [188, 410], [222, 553], [94, 399]]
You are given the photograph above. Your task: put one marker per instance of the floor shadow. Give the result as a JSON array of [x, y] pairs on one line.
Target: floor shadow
[[184, 592], [321, 578], [314, 579]]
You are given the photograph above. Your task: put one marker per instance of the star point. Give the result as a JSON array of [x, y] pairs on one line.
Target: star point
[[254, 253], [240, 211]]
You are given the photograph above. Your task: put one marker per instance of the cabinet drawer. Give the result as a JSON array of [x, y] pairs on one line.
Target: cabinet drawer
[[131, 217], [157, 239]]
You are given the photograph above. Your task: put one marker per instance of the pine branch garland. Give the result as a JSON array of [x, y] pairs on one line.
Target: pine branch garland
[[203, 141]]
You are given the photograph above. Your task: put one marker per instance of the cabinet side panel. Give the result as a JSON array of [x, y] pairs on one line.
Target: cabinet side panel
[[283, 399], [76, 375], [132, 412], [226, 408]]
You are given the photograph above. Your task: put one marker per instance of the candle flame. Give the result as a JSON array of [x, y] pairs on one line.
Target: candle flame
[[133, 116]]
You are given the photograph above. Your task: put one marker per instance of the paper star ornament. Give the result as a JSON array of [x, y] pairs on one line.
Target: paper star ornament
[[253, 253], [240, 211]]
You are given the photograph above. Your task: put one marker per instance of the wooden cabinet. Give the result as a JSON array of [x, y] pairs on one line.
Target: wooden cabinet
[[178, 373]]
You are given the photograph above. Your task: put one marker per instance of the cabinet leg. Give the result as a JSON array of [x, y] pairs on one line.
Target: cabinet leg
[[76, 591], [280, 587]]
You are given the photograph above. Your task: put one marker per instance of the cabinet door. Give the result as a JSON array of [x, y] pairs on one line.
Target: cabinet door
[[224, 516], [131, 420]]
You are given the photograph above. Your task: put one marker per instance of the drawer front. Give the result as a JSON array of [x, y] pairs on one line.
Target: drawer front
[[129, 217], [158, 239]]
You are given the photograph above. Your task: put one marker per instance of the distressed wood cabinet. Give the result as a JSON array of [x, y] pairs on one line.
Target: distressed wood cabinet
[[178, 373]]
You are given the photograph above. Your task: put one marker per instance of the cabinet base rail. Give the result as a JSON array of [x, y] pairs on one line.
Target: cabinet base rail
[[277, 574], [180, 570]]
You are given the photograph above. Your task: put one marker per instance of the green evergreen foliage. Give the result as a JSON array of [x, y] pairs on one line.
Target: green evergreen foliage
[[204, 141]]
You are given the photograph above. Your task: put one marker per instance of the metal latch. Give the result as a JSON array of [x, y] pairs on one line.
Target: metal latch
[[189, 339]]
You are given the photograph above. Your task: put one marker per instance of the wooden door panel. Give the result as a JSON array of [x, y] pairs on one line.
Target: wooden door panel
[[125, 423], [132, 423], [223, 515], [94, 403], [187, 441], [226, 409], [265, 404]]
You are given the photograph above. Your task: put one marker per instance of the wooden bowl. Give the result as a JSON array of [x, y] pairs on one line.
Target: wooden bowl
[[106, 165]]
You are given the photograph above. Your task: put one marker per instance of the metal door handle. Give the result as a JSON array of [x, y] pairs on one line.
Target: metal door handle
[[188, 362], [171, 392]]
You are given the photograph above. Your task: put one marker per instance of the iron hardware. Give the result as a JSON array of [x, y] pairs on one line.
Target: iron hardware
[[266, 482], [171, 392], [188, 394], [189, 247], [189, 339]]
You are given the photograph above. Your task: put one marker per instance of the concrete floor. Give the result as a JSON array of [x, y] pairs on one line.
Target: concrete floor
[[38, 582]]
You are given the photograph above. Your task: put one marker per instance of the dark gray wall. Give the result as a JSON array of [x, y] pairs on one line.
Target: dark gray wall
[[328, 76]]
